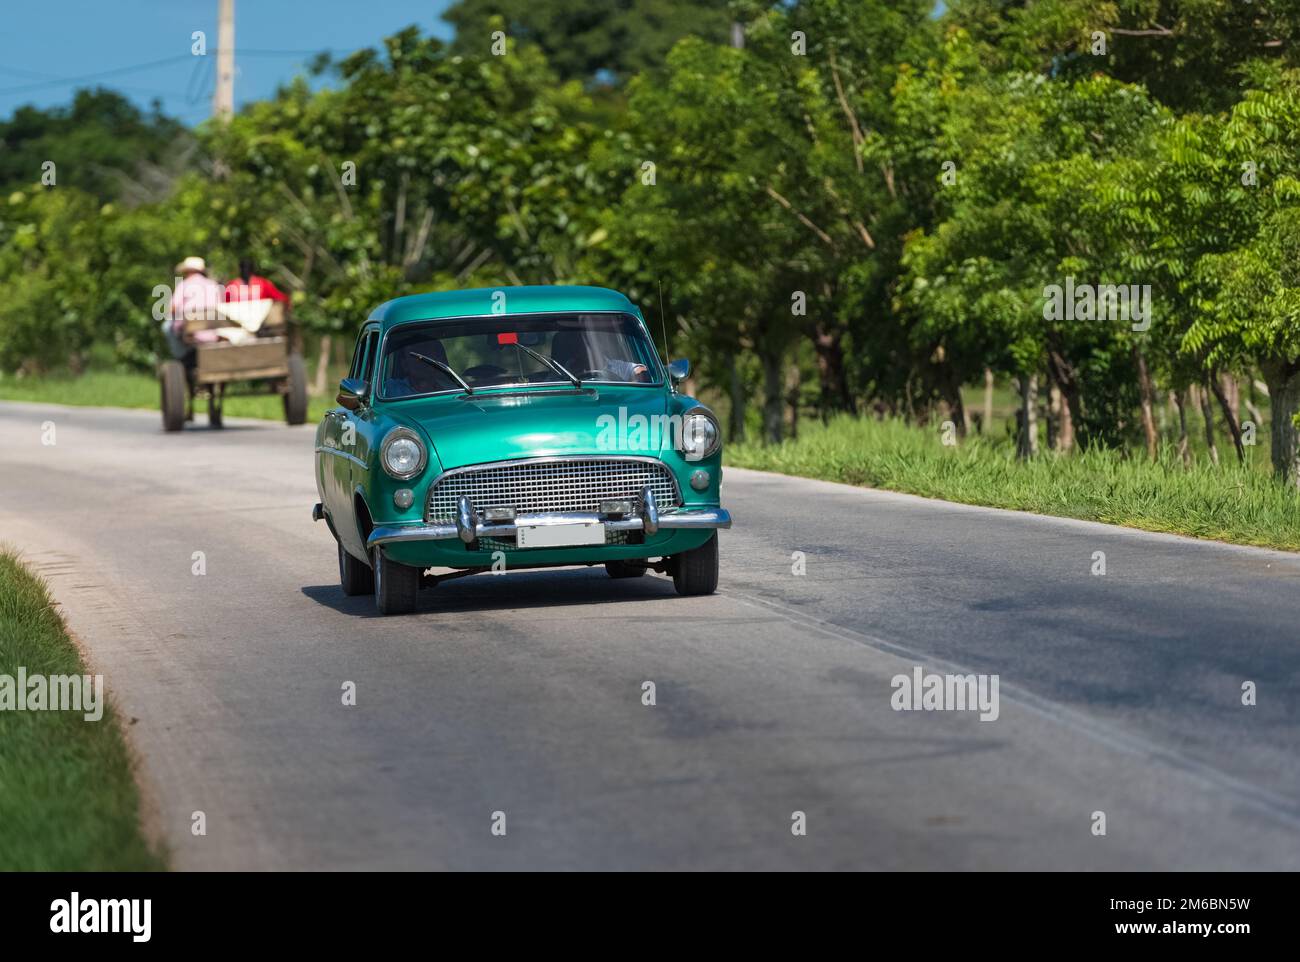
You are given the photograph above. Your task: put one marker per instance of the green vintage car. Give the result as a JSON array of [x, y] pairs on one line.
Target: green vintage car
[[516, 427]]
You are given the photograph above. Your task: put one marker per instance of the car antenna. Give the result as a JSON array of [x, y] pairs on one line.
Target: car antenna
[[663, 323]]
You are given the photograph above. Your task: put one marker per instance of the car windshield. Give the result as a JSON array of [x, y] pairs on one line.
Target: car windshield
[[489, 352]]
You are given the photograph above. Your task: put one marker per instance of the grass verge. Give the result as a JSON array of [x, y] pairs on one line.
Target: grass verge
[[68, 799], [1228, 502], [129, 390]]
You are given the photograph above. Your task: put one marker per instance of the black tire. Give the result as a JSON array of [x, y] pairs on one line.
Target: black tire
[[354, 575], [695, 572], [214, 410], [175, 395], [625, 569], [397, 587], [295, 398]]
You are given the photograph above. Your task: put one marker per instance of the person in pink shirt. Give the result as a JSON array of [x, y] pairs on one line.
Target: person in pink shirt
[[195, 295]]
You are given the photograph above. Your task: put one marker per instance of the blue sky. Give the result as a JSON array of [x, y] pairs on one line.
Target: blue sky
[[43, 43]]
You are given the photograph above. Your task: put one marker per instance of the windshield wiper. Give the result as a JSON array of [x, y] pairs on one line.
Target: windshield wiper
[[553, 364], [444, 367]]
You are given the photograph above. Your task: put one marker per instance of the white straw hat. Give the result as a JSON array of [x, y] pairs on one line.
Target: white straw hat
[[192, 264]]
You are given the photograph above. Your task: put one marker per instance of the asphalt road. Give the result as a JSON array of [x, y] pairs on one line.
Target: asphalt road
[[522, 694]]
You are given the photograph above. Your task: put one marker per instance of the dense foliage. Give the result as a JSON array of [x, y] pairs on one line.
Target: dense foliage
[[864, 207]]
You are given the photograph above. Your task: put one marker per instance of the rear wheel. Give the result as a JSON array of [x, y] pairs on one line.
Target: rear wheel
[[625, 569], [356, 578], [175, 395], [295, 398], [695, 572], [397, 586]]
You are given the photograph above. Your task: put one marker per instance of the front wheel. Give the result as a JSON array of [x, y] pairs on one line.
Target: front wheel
[[355, 577], [175, 395], [695, 572], [397, 586], [295, 396]]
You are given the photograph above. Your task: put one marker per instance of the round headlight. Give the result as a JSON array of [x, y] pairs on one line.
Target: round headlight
[[701, 436], [403, 454]]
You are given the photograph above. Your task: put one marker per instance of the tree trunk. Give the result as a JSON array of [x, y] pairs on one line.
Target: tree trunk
[[792, 389], [987, 423], [1233, 390], [1053, 412], [828, 344], [1207, 413], [952, 395], [1284, 398], [1061, 425], [1229, 415], [320, 384], [1256, 415], [1148, 393], [1184, 448], [1028, 444], [736, 416], [1063, 374], [773, 403]]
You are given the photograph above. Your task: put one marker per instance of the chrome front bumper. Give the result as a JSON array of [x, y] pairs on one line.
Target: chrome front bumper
[[469, 527]]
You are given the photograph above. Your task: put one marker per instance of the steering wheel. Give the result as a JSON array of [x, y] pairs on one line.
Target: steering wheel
[[482, 371]]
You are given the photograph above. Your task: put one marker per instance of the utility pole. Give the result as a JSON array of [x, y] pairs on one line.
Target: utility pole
[[737, 34], [223, 101]]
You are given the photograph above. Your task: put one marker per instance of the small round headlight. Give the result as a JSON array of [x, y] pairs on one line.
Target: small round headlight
[[701, 436], [403, 454]]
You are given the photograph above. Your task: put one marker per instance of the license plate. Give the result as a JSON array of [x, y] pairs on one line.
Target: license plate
[[559, 535]]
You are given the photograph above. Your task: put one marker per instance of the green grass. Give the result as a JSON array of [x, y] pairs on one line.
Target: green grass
[[68, 800], [130, 390], [1240, 504]]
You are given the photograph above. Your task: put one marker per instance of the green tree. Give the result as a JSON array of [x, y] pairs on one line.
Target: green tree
[[599, 39], [98, 144], [1251, 289], [1190, 54]]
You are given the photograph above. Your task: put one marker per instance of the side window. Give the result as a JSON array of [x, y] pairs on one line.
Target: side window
[[358, 357], [363, 356], [368, 369]]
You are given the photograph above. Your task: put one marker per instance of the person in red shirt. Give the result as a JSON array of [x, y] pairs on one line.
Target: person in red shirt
[[250, 287]]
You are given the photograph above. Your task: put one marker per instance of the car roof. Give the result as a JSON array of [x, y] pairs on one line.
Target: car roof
[[535, 299]]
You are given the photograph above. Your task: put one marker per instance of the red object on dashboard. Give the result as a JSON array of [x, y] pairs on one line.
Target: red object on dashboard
[[508, 338]]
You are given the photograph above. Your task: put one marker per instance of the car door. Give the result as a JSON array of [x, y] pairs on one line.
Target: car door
[[361, 422], [351, 447], [335, 478]]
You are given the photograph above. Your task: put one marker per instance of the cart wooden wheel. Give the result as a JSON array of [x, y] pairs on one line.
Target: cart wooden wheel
[[216, 398], [295, 395], [175, 395]]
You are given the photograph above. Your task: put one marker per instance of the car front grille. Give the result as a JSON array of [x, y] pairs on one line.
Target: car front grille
[[551, 485]]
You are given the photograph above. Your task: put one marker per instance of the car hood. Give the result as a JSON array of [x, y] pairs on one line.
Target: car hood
[[537, 423]]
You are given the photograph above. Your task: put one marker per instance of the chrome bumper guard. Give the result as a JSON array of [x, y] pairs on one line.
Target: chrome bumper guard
[[469, 528]]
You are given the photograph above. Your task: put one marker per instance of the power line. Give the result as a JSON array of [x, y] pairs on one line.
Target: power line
[[28, 74], [85, 78], [293, 53]]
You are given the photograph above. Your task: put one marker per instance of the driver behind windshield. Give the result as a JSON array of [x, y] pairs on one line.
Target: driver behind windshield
[[410, 375], [571, 349]]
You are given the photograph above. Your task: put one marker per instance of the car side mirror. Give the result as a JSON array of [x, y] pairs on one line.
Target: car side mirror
[[352, 392], [679, 370]]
